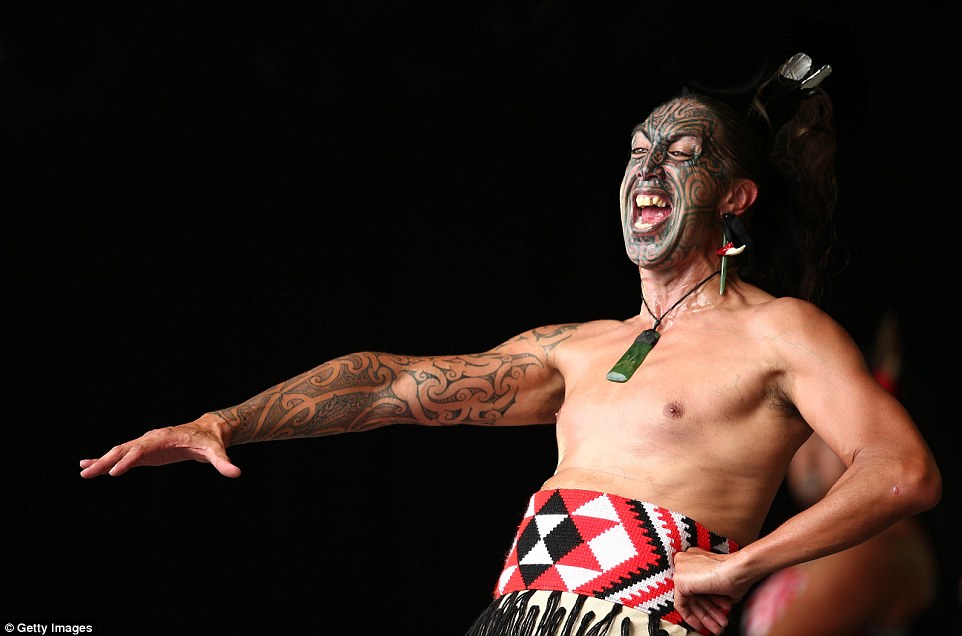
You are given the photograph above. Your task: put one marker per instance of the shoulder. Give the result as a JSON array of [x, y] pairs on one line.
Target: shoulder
[[795, 326], [547, 341], [551, 336], [823, 371], [803, 344], [788, 311]]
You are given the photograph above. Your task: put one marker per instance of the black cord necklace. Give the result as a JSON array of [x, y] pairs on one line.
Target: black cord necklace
[[645, 342]]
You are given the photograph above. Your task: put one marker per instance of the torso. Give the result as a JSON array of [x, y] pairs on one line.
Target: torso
[[702, 428]]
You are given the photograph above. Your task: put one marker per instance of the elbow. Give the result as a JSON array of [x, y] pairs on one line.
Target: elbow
[[931, 488], [918, 487]]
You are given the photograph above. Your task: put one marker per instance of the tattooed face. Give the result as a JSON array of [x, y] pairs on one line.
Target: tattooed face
[[672, 185]]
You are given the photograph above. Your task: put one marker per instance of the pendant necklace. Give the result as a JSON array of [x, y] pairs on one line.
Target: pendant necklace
[[645, 342]]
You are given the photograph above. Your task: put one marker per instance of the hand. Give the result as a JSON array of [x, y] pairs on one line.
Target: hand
[[704, 589], [201, 440]]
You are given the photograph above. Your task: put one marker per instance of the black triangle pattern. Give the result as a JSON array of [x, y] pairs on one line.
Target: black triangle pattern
[[562, 539]]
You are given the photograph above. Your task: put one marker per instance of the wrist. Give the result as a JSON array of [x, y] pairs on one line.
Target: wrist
[[218, 426], [745, 567]]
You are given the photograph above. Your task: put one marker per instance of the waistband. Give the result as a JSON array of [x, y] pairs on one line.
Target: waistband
[[556, 613], [602, 545]]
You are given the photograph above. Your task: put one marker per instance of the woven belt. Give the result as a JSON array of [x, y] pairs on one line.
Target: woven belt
[[602, 545]]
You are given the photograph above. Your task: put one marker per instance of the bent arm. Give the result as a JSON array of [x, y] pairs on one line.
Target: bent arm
[[890, 472], [512, 384]]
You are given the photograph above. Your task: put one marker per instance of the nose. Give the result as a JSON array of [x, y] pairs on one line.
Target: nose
[[652, 167]]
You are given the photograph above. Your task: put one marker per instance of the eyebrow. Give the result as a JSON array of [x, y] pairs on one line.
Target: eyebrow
[[640, 128]]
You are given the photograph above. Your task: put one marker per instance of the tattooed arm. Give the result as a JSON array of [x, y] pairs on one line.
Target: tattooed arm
[[512, 384]]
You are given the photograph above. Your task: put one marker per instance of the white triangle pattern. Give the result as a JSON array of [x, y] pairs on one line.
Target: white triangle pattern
[[538, 555], [600, 508], [574, 577], [547, 523]]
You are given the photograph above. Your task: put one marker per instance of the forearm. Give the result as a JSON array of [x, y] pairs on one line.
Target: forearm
[[873, 494], [350, 393], [367, 390]]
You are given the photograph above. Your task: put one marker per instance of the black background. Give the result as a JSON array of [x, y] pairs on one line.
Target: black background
[[202, 199]]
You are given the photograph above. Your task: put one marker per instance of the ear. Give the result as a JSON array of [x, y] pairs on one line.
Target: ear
[[741, 196]]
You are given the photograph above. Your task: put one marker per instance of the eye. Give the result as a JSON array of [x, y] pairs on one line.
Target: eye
[[639, 151], [684, 149]]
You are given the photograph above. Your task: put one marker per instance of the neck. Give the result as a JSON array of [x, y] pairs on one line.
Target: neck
[[661, 290]]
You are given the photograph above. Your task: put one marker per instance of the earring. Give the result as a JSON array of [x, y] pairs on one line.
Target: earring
[[734, 232]]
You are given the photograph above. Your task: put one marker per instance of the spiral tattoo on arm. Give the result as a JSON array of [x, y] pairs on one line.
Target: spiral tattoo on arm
[[362, 391]]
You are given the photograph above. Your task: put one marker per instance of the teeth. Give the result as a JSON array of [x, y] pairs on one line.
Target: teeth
[[644, 201], [643, 227]]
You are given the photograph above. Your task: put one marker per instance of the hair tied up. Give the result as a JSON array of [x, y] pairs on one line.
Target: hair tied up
[[777, 99]]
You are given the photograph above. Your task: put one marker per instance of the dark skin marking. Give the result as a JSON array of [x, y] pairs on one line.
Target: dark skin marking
[[360, 391], [675, 149], [367, 390]]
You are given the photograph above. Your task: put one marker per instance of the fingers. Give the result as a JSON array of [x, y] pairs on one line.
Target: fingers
[[193, 441], [224, 465], [108, 464], [683, 604], [704, 612], [97, 467], [723, 603], [127, 461], [713, 617]]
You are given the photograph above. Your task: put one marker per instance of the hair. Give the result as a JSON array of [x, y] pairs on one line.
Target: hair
[[786, 144]]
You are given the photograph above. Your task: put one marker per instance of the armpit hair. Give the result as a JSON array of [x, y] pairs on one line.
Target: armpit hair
[[780, 402]]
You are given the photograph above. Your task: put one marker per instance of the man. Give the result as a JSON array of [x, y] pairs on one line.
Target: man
[[667, 462]]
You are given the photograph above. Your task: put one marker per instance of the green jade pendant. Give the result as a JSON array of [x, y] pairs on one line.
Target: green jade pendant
[[634, 356], [632, 359]]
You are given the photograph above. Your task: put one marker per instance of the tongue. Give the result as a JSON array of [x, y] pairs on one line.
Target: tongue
[[653, 214]]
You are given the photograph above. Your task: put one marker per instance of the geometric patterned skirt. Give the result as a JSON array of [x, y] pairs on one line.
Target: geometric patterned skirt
[[603, 546]]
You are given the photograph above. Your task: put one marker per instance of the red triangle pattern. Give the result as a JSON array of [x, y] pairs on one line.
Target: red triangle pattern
[[650, 564], [591, 527], [574, 499], [550, 580], [581, 557]]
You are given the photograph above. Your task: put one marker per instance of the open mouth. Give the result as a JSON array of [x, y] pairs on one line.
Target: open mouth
[[649, 211]]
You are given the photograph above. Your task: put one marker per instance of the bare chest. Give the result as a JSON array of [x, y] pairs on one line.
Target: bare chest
[[699, 390]]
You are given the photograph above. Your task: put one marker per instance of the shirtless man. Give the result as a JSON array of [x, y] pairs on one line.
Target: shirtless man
[[702, 433]]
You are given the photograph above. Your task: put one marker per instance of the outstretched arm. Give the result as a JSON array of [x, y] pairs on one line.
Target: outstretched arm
[[512, 384]]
